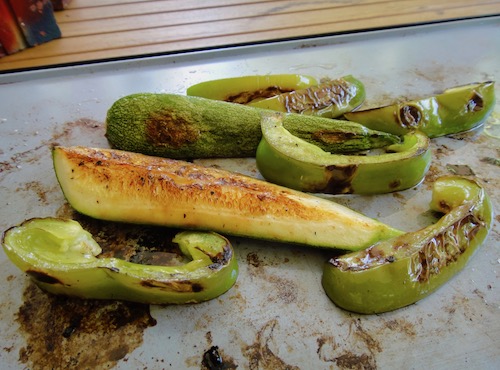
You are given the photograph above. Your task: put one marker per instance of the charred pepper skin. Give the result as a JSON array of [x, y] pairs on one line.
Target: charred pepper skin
[[330, 99], [287, 160], [245, 89], [62, 258], [398, 272], [458, 109]]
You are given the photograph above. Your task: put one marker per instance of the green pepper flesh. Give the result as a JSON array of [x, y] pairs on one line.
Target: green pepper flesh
[[398, 272], [62, 258]]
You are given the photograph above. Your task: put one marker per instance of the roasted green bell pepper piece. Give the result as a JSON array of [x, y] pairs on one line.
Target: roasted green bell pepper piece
[[329, 99], [287, 160], [245, 89], [398, 272], [456, 110], [63, 258]]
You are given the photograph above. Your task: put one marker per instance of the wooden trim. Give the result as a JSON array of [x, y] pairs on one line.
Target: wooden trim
[[97, 30]]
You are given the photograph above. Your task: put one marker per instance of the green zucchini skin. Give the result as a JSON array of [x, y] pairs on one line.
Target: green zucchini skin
[[188, 127], [175, 126]]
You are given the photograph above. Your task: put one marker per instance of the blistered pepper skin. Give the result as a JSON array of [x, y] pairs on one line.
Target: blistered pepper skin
[[62, 258], [287, 160], [456, 110], [245, 89], [330, 99], [400, 271]]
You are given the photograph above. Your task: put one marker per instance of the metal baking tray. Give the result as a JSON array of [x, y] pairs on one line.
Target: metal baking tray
[[277, 315]]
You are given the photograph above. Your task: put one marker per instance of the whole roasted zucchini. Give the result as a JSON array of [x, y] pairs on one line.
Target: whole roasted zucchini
[[186, 127]]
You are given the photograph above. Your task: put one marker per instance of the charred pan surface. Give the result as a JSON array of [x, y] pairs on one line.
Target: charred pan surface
[[140, 244], [148, 245], [62, 332]]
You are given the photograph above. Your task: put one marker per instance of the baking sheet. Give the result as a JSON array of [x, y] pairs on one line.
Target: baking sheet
[[277, 315]]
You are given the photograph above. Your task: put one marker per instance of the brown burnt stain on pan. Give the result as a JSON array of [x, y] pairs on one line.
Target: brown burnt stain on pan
[[87, 126], [358, 350], [63, 332], [281, 290], [37, 187], [260, 354], [142, 244], [61, 135]]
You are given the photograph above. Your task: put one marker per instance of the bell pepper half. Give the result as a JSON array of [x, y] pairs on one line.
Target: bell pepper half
[[329, 99], [287, 160], [456, 110], [63, 258], [245, 89], [398, 272]]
